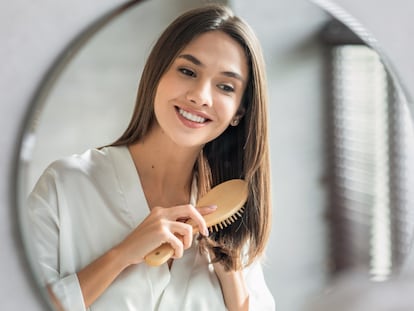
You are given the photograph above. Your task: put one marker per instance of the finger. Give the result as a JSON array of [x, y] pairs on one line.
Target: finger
[[183, 231], [182, 219], [205, 210], [159, 212], [192, 213], [176, 244]]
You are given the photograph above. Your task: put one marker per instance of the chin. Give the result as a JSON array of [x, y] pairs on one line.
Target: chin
[[189, 142]]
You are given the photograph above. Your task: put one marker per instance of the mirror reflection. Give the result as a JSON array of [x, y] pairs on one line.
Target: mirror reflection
[[178, 206], [338, 154]]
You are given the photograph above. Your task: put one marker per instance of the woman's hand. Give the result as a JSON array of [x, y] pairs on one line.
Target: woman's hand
[[164, 225], [233, 287], [160, 226]]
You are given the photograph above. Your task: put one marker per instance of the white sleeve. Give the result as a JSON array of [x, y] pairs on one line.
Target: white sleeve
[[44, 232], [260, 298]]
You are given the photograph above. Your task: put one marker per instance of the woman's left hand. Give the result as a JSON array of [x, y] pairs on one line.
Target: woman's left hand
[[233, 287]]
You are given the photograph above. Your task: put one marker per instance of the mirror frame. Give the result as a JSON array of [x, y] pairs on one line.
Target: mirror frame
[[18, 287], [390, 40]]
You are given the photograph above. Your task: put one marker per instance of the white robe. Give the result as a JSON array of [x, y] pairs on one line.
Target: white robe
[[84, 205]]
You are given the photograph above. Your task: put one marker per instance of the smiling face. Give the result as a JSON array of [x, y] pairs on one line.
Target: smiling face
[[200, 94]]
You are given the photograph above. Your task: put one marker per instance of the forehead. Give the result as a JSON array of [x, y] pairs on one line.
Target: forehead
[[217, 48]]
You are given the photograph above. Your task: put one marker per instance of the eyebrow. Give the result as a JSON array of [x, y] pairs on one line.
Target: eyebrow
[[197, 62]]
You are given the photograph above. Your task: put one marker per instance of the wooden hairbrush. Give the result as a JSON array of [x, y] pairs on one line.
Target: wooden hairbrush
[[229, 196]]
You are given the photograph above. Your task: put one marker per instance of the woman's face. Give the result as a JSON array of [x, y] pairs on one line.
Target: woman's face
[[201, 92]]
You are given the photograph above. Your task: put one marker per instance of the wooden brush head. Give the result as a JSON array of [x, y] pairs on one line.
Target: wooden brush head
[[229, 196]]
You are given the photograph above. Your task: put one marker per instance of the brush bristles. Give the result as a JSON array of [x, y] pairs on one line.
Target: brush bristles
[[226, 222]]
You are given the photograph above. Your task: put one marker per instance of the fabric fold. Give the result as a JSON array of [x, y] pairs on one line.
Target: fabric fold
[[68, 292]]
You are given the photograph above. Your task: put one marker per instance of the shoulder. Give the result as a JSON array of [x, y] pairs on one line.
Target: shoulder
[[89, 162], [92, 166]]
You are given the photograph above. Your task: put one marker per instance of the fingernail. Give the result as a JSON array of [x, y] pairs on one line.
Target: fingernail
[[206, 233], [212, 206]]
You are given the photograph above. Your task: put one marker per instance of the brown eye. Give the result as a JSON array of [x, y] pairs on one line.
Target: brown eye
[[187, 72], [226, 88]]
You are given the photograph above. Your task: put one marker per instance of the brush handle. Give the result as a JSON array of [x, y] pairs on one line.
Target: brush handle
[[159, 255]]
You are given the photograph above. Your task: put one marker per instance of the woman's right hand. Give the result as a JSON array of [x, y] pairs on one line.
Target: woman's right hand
[[160, 226], [164, 225]]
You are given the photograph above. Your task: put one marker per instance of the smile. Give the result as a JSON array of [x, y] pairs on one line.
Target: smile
[[191, 117]]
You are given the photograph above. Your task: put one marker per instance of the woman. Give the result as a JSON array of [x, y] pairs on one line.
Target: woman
[[200, 119]]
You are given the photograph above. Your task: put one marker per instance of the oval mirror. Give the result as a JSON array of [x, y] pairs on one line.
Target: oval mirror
[[340, 135]]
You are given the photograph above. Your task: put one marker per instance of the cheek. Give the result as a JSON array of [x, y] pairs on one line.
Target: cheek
[[227, 109], [164, 89], [157, 98], [161, 88], [165, 83]]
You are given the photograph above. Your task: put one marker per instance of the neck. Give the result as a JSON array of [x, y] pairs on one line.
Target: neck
[[164, 168]]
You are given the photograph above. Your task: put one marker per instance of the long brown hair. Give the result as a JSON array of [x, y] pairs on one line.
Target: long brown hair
[[240, 151]]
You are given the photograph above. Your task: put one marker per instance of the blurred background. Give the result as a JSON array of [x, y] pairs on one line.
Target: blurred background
[[340, 132]]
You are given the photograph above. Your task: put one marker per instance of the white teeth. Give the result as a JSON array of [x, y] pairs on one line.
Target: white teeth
[[191, 117]]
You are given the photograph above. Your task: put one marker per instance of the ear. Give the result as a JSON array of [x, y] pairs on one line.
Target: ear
[[239, 114]]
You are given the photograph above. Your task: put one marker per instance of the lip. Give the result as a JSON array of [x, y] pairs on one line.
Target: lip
[[195, 112], [189, 123]]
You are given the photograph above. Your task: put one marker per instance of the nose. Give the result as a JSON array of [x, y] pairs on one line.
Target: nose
[[200, 94]]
